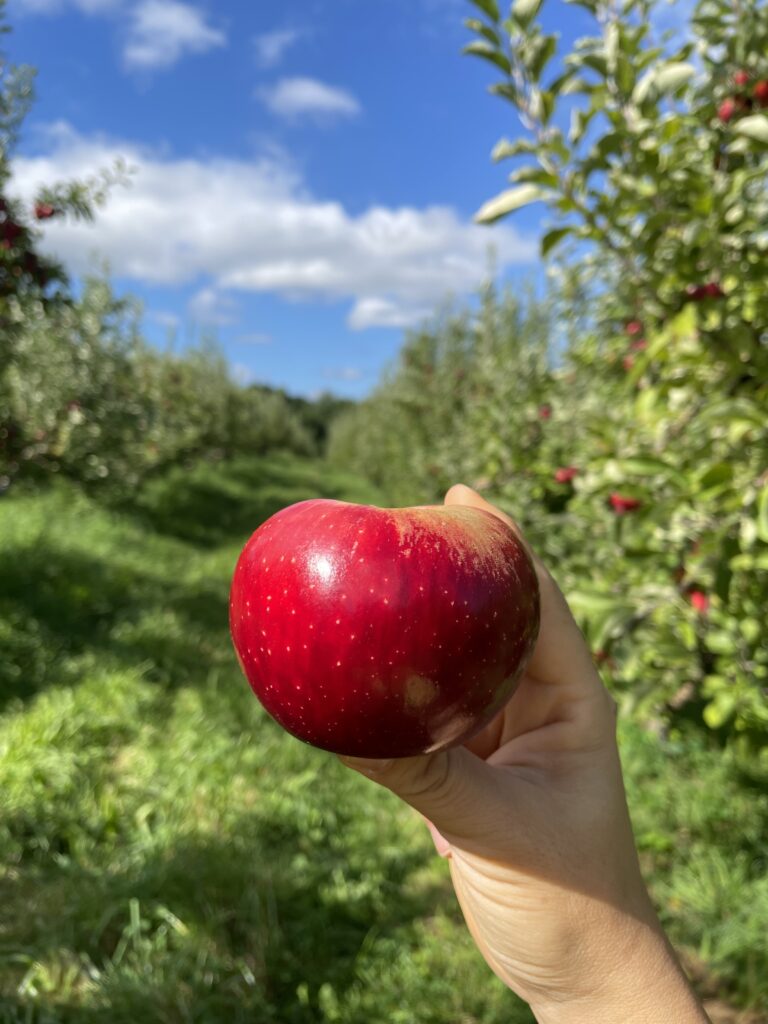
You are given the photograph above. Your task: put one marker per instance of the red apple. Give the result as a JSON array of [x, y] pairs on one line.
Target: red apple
[[634, 327], [741, 78], [565, 474], [44, 211], [621, 504], [700, 601], [383, 632], [726, 110], [710, 290], [761, 93]]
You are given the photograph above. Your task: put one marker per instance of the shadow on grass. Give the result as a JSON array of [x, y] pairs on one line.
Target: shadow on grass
[[213, 504], [59, 604], [214, 929]]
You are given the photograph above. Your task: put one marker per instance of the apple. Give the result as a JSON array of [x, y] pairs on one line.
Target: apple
[[44, 211], [726, 110], [621, 504], [634, 327], [761, 93], [710, 290], [700, 601], [741, 78], [383, 632], [565, 474]]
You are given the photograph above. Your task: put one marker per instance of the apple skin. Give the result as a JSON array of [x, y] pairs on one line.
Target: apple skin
[[383, 632]]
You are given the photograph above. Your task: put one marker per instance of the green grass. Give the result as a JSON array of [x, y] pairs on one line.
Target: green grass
[[168, 854]]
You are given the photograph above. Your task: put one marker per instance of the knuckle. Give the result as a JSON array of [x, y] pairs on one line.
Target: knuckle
[[432, 779]]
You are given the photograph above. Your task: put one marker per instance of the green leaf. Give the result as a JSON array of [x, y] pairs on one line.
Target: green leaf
[[718, 712], [715, 477], [541, 51], [593, 602], [643, 466], [506, 90], [475, 25], [753, 127], [508, 201], [551, 238], [762, 514], [535, 175], [524, 11], [671, 76], [579, 121], [644, 88], [489, 7], [505, 148], [490, 53]]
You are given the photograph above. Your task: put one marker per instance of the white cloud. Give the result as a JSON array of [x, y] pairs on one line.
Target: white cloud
[[306, 97], [212, 308], [345, 373], [373, 311], [168, 320], [271, 47], [163, 31], [254, 226]]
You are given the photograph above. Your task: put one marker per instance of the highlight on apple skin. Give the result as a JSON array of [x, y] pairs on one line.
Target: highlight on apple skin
[[383, 632]]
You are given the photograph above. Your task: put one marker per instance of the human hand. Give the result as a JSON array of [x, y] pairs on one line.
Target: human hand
[[533, 818]]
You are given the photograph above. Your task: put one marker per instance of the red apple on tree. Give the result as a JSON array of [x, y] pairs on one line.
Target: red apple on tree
[[383, 632], [44, 211], [700, 601], [622, 504], [726, 110], [741, 78], [760, 93]]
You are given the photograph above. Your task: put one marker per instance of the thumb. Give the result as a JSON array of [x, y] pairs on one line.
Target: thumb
[[450, 788]]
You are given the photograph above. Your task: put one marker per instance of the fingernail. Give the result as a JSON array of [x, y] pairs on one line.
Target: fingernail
[[367, 765]]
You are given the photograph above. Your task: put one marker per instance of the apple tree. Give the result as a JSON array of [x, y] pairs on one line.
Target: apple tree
[[650, 156]]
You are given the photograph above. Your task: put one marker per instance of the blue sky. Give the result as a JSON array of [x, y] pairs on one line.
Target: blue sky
[[304, 174]]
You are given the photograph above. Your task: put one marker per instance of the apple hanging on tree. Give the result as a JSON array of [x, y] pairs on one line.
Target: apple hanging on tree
[[383, 632]]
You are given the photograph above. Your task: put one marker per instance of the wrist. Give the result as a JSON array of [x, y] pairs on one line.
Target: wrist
[[636, 979]]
